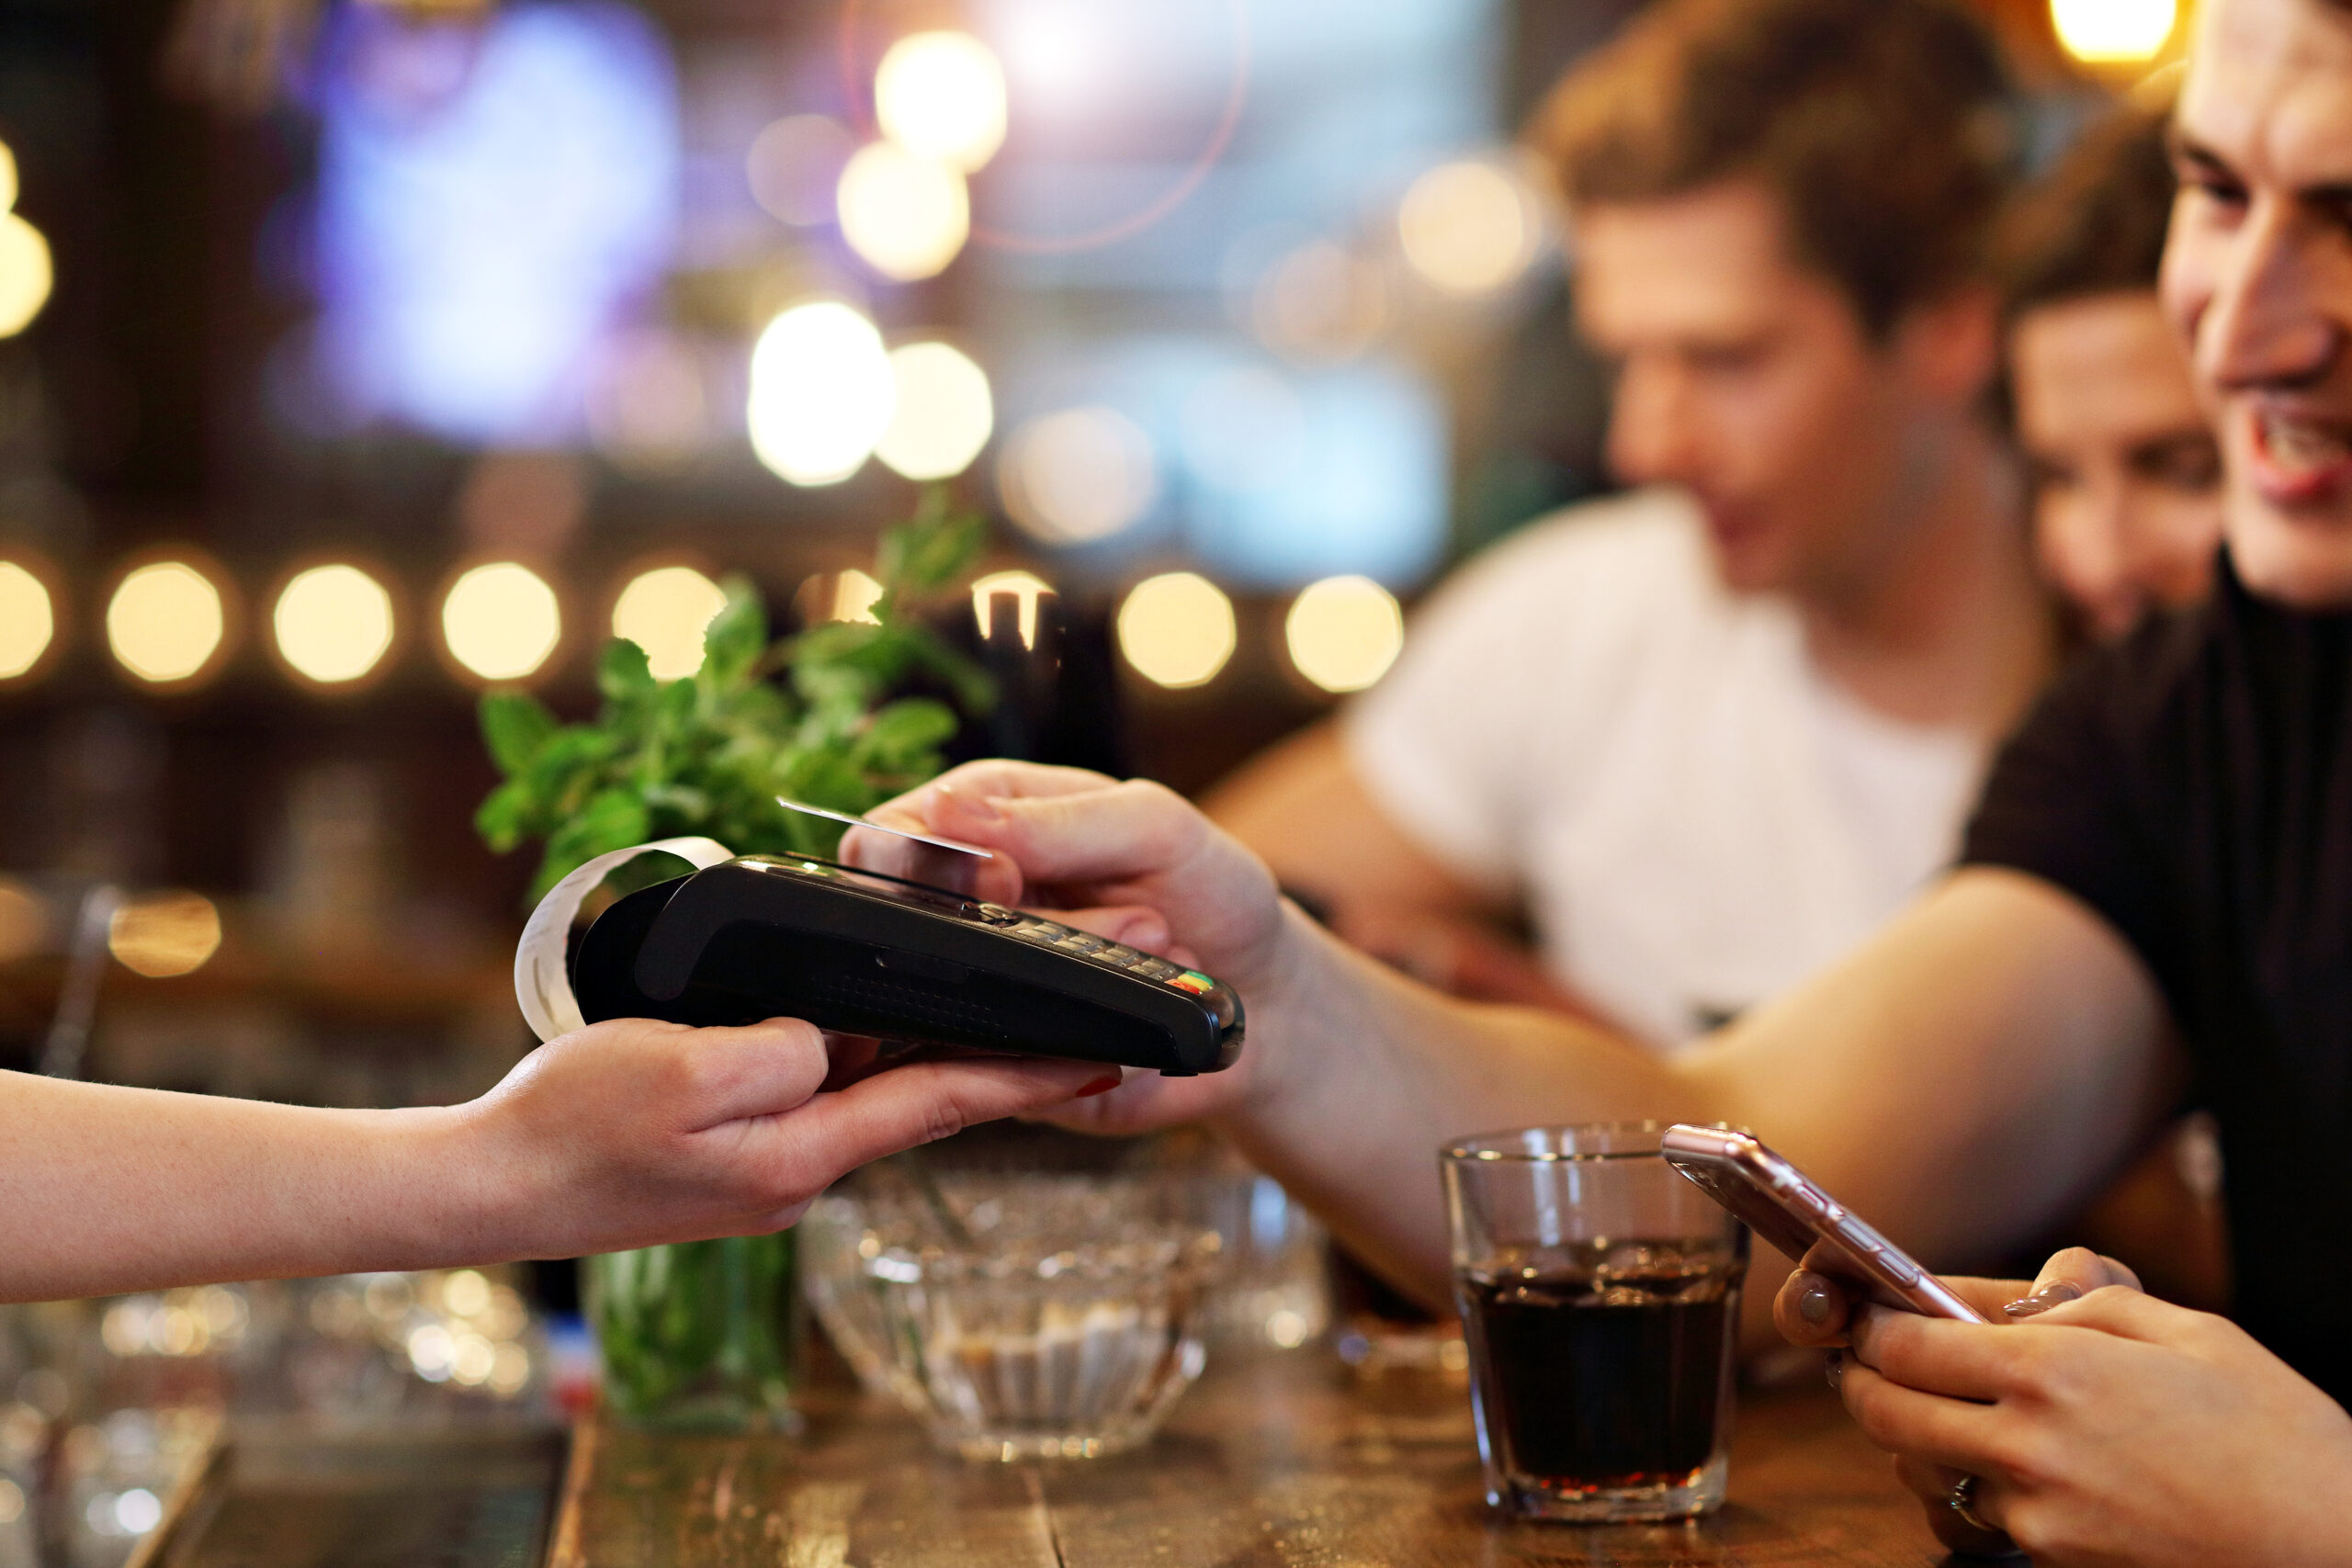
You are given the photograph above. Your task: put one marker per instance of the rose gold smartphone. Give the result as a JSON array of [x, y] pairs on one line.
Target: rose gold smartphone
[[1737, 1170]]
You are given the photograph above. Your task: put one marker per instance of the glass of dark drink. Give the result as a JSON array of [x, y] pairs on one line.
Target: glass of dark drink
[[1600, 1297]]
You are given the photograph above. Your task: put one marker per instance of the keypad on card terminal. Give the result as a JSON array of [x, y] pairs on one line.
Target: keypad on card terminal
[[1085, 944]]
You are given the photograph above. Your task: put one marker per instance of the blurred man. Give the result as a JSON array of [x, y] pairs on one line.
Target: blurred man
[[1712, 734], [2127, 479]]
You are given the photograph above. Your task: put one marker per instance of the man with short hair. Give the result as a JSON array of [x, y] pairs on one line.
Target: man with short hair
[[1713, 733], [2155, 909]]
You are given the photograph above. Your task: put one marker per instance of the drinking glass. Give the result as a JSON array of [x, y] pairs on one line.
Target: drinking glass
[[1600, 1297]]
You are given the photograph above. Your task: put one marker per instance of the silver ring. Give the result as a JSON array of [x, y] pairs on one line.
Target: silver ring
[[1963, 1503]]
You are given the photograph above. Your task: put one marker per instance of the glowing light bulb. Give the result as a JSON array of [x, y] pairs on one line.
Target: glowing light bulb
[[944, 413], [501, 620], [27, 622], [1176, 629], [334, 622], [908, 216], [163, 934], [823, 393], [1078, 476], [164, 621], [664, 611], [1345, 632], [1025, 586], [2112, 31], [1468, 228], [942, 95], [25, 274]]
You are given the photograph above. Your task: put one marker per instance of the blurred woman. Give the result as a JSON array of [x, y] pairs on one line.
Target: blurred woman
[[2127, 498]]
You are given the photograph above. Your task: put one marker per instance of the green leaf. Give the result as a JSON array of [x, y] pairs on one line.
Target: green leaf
[[612, 820], [622, 672], [515, 725], [735, 638], [503, 816], [907, 725]]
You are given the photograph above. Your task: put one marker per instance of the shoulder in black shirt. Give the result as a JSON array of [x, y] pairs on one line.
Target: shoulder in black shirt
[[2194, 787]]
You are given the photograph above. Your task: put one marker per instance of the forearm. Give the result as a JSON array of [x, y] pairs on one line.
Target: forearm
[[104, 1189], [1363, 1075]]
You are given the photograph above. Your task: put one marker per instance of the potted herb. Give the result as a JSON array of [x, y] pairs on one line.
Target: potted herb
[[708, 1334]]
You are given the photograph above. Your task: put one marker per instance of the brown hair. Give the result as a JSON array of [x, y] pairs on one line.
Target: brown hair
[[1882, 127], [2095, 223]]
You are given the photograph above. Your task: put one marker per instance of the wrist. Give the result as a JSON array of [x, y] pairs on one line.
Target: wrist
[[1282, 1002], [458, 1192]]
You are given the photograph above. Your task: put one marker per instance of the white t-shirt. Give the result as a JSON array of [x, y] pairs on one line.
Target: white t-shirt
[[1696, 816]]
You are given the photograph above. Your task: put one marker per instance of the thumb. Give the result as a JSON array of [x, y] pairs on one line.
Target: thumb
[[2069, 1275]]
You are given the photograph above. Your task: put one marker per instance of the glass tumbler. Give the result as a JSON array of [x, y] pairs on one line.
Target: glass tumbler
[[1600, 1298]]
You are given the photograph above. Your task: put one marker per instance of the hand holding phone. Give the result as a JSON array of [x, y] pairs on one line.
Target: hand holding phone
[[1737, 1170]]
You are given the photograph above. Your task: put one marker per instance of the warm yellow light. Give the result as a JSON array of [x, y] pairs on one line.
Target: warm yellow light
[[26, 620], [164, 621], [1078, 476], [823, 393], [334, 622], [1468, 228], [942, 95], [2112, 31], [1025, 586], [501, 620], [25, 274], [664, 611], [7, 177], [24, 921], [906, 215], [1345, 632], [162, 934], [1176, 629], [944, 413], [855, 596]]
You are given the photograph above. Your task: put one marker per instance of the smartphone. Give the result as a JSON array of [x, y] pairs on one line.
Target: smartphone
[[1737, 1170]]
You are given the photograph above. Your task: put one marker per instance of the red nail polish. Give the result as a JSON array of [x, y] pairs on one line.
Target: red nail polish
[[1101, 1086]]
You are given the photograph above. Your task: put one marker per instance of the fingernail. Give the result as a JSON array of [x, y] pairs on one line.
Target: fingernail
[[1833, 1368], [1812, 1303], [2043, 1299], [1101, 1086]]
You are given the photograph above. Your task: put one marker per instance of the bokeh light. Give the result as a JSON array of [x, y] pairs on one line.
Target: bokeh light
[[334, 622], [25, 274], [24, 921], [1345, 632], [906, 215], [664, 611], [823, 393], [1025, 586], [853, 598], [1467, 228], [163, 934], [501, 620], [795, 166], [945, 415], [1176, 629], [7, 177], [2112, 31], [1319, 304], [942, 95], [27, 620], [165, 622], [1078, 476]]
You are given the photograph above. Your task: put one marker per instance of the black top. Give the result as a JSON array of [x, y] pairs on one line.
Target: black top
[[2193, 786]]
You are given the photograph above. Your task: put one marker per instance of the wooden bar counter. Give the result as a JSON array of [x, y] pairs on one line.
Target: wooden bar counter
[[1283, 1460]]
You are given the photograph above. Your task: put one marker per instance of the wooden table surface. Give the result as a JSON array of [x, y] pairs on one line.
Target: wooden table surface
[[1283, 1460]]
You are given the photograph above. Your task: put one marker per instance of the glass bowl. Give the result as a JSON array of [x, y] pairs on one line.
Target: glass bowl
[[1041, 1344]]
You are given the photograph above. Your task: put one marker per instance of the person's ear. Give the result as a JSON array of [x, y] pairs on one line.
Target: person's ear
[[1949, 347]]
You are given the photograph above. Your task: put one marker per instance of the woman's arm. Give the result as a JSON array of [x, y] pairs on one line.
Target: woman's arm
[[621, 1134]]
